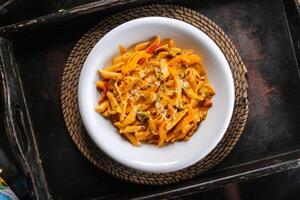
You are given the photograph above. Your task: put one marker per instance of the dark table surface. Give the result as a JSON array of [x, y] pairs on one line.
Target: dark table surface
[[274, 91], [280, 186]]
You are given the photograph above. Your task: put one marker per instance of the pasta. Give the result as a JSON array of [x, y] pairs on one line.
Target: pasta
[[155, 92]]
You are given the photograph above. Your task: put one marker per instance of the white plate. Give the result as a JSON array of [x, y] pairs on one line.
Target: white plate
[[151, 158]]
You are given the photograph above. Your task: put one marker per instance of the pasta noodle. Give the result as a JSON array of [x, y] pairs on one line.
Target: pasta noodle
[[155, 93]]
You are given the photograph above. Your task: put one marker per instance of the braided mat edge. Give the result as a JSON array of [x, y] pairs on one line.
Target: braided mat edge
[[71, 111]]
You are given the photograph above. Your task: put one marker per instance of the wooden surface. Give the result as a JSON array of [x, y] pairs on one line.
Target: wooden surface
[[64, 15], [17, 122], [270, 143]]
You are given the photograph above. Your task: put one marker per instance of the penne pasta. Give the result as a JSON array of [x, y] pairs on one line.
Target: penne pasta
[[177, 117], [102, 107], [141, 46], [155, 93], [131, 129], [110, 75], [130, 118], [132, 139], [113, 102], [122, 49], [100, 84], [115, 67]]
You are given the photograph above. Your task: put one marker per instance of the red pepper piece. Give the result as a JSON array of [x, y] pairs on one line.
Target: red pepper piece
[[207, 103], [103, 93], [152, 48], [141, 61]]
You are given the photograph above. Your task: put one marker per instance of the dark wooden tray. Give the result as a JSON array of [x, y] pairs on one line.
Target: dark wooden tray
[[263, 31]]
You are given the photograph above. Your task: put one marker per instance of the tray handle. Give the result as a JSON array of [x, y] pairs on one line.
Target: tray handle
[[17, 122]]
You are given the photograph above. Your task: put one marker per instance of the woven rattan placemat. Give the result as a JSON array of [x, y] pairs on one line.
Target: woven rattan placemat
[[71, 112]]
